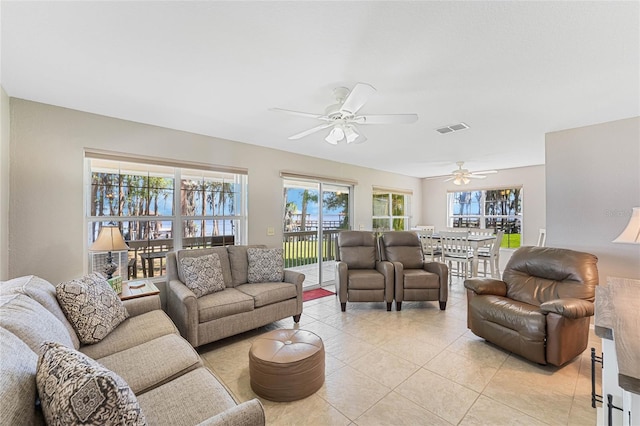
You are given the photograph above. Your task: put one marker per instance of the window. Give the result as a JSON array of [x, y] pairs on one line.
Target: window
[[494, 209], [159, 208], [391, 210]]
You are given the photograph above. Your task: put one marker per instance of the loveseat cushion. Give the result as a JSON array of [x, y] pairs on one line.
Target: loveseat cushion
[[525, 319], [264, 294], [240, 263], [76, 390], [43, 292], [31, 322], [152, 363], [265, 265], [209, 397], [132, 332], [17, 380], [220, 251], [91, 306], [203, 274], [222, 304]]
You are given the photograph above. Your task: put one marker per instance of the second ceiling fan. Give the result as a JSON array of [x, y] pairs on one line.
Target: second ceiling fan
[[343, 117], [462, 176]]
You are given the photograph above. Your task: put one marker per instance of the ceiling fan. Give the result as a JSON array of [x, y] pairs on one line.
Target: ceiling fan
[[343, 119], [462, 176]]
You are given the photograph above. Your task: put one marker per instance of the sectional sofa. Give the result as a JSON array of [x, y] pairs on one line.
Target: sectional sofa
[[161, 369]]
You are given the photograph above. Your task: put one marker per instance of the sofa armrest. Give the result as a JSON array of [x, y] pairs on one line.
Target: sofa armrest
[[569, 308], [486, 286], [296, 278], [182, 308], [142, 305], [386, 269], [249, 413]]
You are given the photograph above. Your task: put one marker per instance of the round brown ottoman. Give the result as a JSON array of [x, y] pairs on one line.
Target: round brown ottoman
[[286, 365]]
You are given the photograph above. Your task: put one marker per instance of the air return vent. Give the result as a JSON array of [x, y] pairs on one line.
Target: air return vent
[[451, 128]]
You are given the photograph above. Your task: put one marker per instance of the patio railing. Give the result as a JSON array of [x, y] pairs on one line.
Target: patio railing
[[301, 247]]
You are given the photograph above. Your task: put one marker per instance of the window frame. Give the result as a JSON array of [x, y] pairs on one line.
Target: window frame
[[483, 216], [390, 217], [120, 165]]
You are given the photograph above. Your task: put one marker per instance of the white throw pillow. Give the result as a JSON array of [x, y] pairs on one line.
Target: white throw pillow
[[76, 390], [91, 306], [203, 274], [265, 265]]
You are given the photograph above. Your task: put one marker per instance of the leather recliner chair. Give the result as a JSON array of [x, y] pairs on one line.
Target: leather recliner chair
[[540, 309], [361, 276], [415, 279]]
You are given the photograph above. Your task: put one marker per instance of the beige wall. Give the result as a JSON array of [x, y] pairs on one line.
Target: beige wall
[[593, 182], [531, 179], [46, 207], [4, 184]]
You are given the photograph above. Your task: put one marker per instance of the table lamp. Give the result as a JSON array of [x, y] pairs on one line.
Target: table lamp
[[110, 239], [631, 234]]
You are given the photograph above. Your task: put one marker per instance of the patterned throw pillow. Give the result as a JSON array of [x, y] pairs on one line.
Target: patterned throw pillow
[[203, 274], [265, 265], [76, 390], [91, 306]]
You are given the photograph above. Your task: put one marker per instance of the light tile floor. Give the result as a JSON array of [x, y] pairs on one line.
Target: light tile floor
[[420, 366]]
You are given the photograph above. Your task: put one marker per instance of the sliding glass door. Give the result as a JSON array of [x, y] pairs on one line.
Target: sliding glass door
[[314, 213]]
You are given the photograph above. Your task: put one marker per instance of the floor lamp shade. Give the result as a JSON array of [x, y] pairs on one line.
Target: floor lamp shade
[[109, 239], [631, 234]]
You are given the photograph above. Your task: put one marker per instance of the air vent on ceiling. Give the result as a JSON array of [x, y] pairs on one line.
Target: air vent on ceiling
[[451, 128]]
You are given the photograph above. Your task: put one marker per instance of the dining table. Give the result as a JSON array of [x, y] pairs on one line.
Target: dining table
[[476, 242]]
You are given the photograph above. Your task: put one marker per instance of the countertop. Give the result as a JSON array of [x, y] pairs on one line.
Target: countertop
[[617, 318]]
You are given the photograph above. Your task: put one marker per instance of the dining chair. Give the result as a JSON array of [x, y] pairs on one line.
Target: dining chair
[[430, 246], [542, 237], [456, 248], [492, 256]]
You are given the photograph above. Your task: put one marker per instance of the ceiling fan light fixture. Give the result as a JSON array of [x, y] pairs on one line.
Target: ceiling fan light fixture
[[335, 135], [350, 134]]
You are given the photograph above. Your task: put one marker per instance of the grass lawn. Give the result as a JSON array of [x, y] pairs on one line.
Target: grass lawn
[[510, 241]]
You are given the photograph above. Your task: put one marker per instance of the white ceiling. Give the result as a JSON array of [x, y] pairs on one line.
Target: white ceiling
[[512, 71]]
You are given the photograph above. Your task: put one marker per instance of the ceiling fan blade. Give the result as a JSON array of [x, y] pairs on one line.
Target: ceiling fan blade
[[358, 96], [300, 114], [485, 172], [386, 119], [449, 179], [310, 131], [472, 176]]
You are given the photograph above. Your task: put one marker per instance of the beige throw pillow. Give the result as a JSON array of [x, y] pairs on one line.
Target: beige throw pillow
[[265, 265], [91, 306], [76, 390], [203, 275]]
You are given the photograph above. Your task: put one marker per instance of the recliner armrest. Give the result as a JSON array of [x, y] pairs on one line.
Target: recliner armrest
[[486, 286], [569, 308], [437, 268]]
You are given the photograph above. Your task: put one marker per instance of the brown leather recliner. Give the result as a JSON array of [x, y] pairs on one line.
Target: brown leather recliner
[[360, 275], [540, 309], [415, 278]]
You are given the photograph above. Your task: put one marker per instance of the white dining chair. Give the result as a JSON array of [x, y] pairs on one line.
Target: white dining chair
[[456, 248], [430, 247], [492, 257], [542, 237]]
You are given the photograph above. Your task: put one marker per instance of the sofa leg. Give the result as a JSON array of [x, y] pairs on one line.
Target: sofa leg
[[296, 318], [388, 306], [343, 306], [398, 306], [443, 306]]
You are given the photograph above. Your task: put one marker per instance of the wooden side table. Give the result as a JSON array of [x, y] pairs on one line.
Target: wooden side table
[[138, 288]]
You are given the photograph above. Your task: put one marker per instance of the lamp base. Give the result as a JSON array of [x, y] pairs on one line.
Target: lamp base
[[110, 267]]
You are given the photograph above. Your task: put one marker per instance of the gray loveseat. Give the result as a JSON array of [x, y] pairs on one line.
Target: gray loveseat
[[165, 373], [240, 307]]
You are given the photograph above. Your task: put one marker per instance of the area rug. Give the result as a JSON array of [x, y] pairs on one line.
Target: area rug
[[315, 294]]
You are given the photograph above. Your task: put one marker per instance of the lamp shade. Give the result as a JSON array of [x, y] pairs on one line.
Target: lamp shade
[[109, 239], [631, 233]]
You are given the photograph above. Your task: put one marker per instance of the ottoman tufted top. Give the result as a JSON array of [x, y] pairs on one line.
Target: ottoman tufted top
[[286, 346]]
